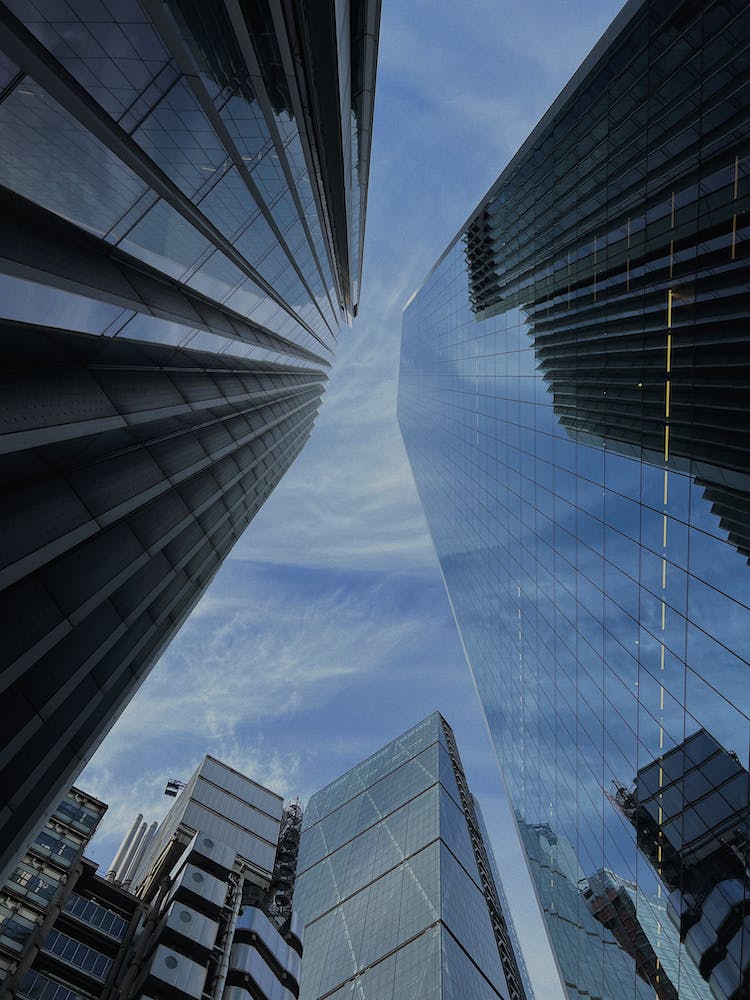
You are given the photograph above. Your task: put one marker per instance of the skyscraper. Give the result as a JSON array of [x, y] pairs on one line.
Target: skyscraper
[[183, 188], [201, 909], [395, 882], [574, 403]]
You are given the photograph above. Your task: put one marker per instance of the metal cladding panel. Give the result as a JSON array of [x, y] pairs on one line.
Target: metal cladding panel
[[177, 972], [297, 926], [242, 787], [237, 837], [193, 926], [254, 921], [235, 810], [238, 815], [200, 883], [205, 848], [247, 960]]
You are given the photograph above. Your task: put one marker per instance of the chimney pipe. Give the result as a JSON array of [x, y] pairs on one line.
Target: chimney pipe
[[123, 848], [134, 845]]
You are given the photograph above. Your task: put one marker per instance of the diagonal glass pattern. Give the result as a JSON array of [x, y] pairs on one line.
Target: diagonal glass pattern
[[388, 873]]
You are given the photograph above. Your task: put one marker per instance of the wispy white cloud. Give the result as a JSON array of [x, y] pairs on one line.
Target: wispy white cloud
[[256, 653], [448, 117], [256, 657], [349, 501]]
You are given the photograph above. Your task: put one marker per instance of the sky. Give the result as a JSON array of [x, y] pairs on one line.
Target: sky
[[327, 632]]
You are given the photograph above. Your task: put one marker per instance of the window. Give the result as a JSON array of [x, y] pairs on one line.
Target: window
[[77, 954], [97, 915]]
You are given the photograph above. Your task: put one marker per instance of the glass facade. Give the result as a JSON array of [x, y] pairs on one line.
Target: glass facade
[[183, 189], [574, 403], [394, 883], [642, 928]]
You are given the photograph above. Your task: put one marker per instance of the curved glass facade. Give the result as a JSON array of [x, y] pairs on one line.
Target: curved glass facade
[[574, 403]]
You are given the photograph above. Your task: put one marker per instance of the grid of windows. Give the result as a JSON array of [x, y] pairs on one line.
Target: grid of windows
[[78, 815], [173, 178], [16, 924], [88, 959], [573, 399], [97, 915], [386, 865], [59, 847], [35, 986], [32, 882]]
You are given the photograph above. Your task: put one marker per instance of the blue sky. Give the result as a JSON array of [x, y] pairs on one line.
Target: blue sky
[[328, 631]]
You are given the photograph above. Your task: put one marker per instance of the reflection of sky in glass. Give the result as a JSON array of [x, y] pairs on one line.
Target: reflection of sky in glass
[[385, 856], [601, 584]]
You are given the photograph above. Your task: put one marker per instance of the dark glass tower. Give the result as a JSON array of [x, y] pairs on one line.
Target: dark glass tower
[[396, 884], [179, 248], [574, 402]]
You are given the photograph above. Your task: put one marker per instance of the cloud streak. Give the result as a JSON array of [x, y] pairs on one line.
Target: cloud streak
[[260, 651]]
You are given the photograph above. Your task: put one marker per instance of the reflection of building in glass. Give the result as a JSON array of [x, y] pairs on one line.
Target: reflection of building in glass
[[604, 971], [691, 811], [396, 886], [512, 945], [203, 913], [178, 251], [642, 928], [608, 377], [574, 403]]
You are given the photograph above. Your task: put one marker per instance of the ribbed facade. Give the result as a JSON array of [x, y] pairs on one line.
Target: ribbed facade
[[183, 189], [573, 399]]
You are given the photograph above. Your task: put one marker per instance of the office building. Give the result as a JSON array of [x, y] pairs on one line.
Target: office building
[[38, 887], [395, 884], [196, 908], [183, 189], [574, 402], [84, 945]]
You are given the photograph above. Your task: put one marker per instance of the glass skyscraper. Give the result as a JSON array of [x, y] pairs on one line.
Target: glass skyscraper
[[183, 190], [395, 882], [574, 403]]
